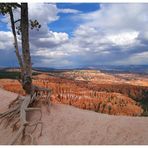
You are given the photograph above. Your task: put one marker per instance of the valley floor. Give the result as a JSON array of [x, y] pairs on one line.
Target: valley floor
[[67, 125]]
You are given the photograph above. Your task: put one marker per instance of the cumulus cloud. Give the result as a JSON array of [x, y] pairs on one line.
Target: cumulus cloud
[[50, 40], [116, 17], [68, 11], [42, 39], [114, 34], [44, 13], [125, 38], [6, 40], [54, 38]]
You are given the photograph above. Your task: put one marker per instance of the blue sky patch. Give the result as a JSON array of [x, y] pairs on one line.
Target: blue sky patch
[[67, 23]]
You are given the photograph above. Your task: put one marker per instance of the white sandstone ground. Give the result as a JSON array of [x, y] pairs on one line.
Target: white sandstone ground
[[67, 125]]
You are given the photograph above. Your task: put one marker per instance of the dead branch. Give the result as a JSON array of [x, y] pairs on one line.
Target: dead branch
[[17, 114], [17, 21]]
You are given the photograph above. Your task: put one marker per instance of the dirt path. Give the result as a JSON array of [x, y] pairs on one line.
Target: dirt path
[[68, 125]]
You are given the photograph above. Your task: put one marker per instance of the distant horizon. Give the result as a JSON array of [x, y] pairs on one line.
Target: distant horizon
[[76, 67]]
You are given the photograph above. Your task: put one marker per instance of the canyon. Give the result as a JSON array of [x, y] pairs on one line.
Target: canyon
[[114, 94]]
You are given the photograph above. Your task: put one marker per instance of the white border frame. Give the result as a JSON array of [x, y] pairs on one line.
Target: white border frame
[[79, 1]]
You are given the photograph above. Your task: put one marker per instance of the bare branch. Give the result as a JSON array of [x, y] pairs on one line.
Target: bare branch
[[17, 21], [18, 5]]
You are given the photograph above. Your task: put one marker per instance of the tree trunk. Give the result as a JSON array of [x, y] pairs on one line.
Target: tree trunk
[[27, 76], [16, 42]]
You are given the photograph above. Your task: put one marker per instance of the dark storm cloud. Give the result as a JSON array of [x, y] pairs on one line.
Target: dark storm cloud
[[8, 58]]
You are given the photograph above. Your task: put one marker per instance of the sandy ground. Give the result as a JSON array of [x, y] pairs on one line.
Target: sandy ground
[[66, 125]]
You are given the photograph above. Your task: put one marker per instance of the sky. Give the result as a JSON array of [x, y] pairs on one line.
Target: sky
[[75, 35]]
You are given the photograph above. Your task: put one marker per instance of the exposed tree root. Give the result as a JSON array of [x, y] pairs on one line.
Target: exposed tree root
[[16, 116]]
